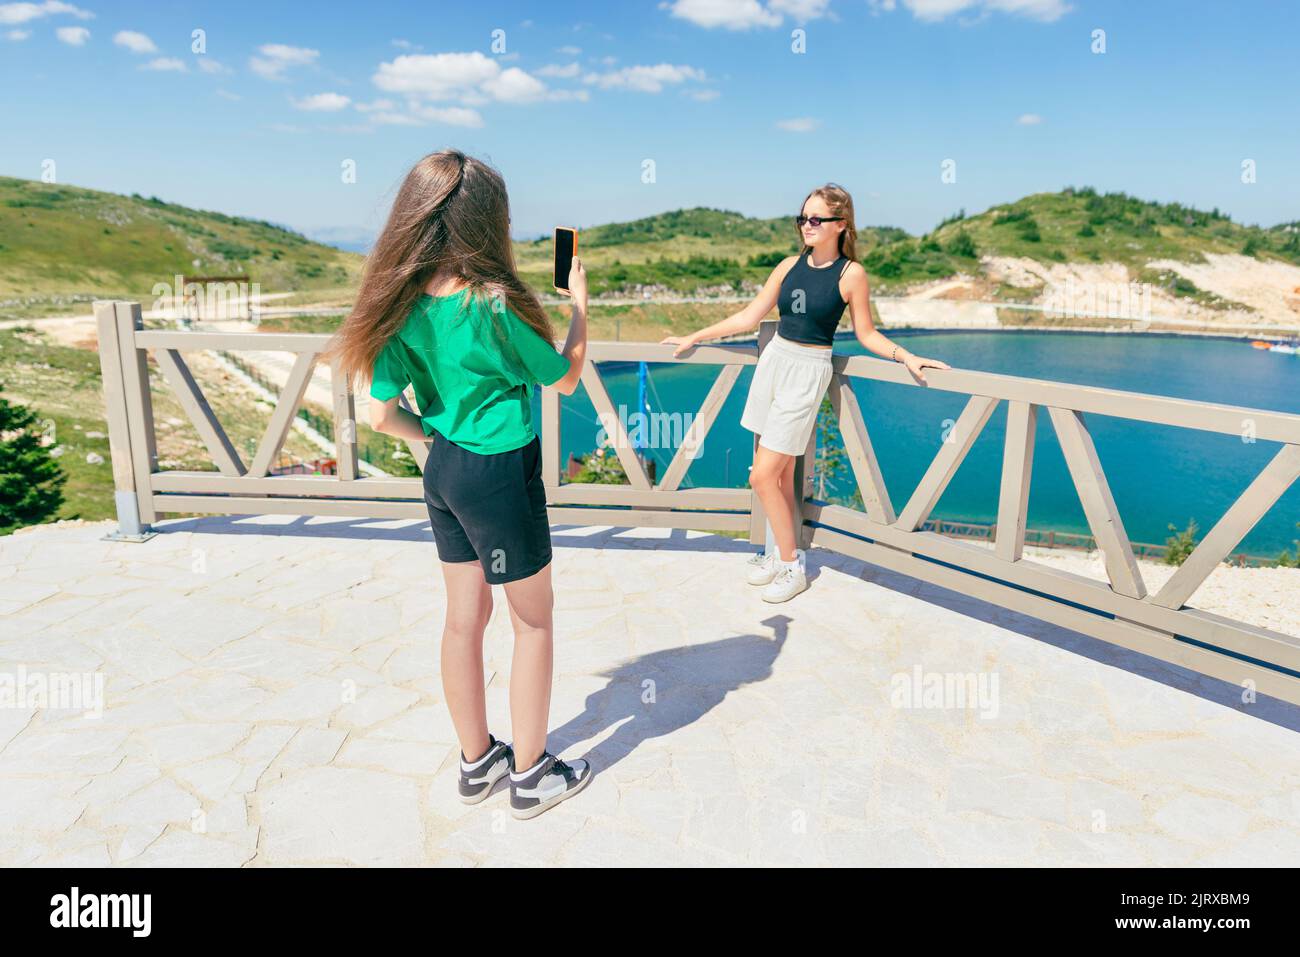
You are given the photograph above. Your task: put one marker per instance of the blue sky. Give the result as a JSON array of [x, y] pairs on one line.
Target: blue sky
[[574, 97]]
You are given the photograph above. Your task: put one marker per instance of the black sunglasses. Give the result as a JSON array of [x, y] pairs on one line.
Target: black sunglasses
[[815, 221]]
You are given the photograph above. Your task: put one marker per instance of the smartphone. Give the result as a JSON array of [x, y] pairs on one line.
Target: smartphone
[[566, 247]]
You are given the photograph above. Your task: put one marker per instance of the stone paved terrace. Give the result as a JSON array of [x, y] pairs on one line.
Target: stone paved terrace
[[272, 698]]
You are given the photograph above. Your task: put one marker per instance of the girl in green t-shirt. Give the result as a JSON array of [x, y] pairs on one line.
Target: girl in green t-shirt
[[442, 310]]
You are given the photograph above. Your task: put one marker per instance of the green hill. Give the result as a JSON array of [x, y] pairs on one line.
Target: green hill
[[688, 249], [683, 250], [1077, 225], [63, 244]]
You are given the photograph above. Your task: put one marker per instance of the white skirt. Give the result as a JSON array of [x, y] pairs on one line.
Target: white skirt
[[789, 382]]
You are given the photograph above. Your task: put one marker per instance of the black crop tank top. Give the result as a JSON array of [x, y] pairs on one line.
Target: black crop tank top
[[810, 304]]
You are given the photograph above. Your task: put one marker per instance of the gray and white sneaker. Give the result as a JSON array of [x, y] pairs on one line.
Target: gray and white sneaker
[[546, 784], [789, 580], [761, 569], [478, 777]]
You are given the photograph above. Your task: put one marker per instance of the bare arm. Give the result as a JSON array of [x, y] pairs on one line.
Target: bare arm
[[575, 344], [857, 293], [391, 419], [746, 320]]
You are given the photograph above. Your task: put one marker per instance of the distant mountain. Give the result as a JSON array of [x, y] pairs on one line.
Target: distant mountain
[[351, 239], [62, 241]]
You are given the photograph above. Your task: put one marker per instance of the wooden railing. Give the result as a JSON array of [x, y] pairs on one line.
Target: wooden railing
[[1119, 610]]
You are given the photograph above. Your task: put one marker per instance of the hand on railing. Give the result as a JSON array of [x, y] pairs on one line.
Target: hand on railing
[[915, 364], [683, 344]]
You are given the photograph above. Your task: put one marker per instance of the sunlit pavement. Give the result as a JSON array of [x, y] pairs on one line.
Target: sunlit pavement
[[271, 696]]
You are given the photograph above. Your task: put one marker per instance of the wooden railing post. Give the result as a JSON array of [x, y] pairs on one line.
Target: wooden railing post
[[759, 529], [128, 410], [345, 423], [551, 438]]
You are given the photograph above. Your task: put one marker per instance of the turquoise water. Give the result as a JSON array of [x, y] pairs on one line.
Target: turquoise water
[[1159, 475]]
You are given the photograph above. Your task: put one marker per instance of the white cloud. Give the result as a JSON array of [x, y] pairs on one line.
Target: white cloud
[[275, 59], [566, 71], [881, 6], [645, 79], [209, 65], [798, 124], [801, 10], [376, 106], [166, 64], [728, 14], [437, 76], [1029, 119], [135, 42], [515, 86], [227, 95], [406, 45], [933, 11], [73, 36], [704, 96], [18, 35], [11, 13], [471, 79], [450, 115], [321, 103], [745, 14], [569, 51]]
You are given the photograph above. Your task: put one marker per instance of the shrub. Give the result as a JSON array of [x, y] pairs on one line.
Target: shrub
[[766, 260], [962, 245], [1180, 544], [31, 482]]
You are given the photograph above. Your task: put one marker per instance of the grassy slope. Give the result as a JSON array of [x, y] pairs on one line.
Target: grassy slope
[[681, 250], [61, 243], [62, 385]]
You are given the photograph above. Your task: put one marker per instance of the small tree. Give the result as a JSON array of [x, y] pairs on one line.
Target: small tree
[[1180, 544], [831, 463], [31, 481], [601, 467]]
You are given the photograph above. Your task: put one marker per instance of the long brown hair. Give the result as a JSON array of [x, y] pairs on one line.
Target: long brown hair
[[451, 218], [839, 201]]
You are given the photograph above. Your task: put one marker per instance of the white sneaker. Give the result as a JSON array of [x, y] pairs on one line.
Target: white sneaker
[[790, 580], [761, 569]]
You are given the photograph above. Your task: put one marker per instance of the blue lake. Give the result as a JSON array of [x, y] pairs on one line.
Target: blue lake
[[1159, 475]]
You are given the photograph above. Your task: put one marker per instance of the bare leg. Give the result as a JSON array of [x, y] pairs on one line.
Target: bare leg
[[531, 604], [772, 479], [469, 606]]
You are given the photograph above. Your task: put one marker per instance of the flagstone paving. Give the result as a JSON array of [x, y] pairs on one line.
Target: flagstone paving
[[272, 697]]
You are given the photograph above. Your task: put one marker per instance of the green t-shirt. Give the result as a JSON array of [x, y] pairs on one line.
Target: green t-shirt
[[472, 369]]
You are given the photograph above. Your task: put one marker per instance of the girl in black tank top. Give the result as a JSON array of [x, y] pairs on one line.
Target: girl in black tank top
[[795, 368], [810, 304]]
